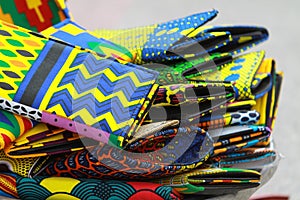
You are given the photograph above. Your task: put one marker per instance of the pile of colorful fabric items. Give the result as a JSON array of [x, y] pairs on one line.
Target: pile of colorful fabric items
[[176, 110]]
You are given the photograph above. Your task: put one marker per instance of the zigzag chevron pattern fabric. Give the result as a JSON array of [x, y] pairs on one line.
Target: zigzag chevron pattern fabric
[[69, 82]]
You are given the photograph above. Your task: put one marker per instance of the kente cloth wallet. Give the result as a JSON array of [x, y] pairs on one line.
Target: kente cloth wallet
[[187, 102], [185, 38], [43, 140], [224, 119], [267, 104], [248, 158], [242, 72], [14, 186], [153, 43], [34, 15], [55, 83], [231, 139], [182, 71], [213, 181], [178, 94], [185, 153]]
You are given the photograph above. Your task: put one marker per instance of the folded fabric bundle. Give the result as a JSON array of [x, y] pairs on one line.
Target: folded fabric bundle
[[69, 83], [185, 38], [182, 71], [234, 138], [189, 101], [248, 158], [226, 140], [193, 147], [213, 181], [267, 104], [14, 186], [242, 71]]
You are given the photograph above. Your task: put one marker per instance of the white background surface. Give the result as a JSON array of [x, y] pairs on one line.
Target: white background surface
[[282, 18]]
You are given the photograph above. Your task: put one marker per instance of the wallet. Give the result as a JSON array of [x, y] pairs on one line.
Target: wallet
[[242, 72], [190, 149], [231, 139], [213, 181], [184, 39], [58, 84]]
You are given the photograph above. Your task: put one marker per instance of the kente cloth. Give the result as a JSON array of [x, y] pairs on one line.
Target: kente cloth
[[233, 138], [55, 83], [34, 15], [15, 186], [25, 167], [248, 158], [185, 38], [243, 73], [213, 181], [190, 149]]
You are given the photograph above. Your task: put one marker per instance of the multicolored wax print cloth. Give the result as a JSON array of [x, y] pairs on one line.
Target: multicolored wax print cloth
[[213, 181], [233, 138], [226, 140], [182, 71], [243, 72], [185, 38], [267, 104], [15, 186], [34, 15], [190, 149], [189, 101], [43, 140], [248, 158], [58, 84]]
